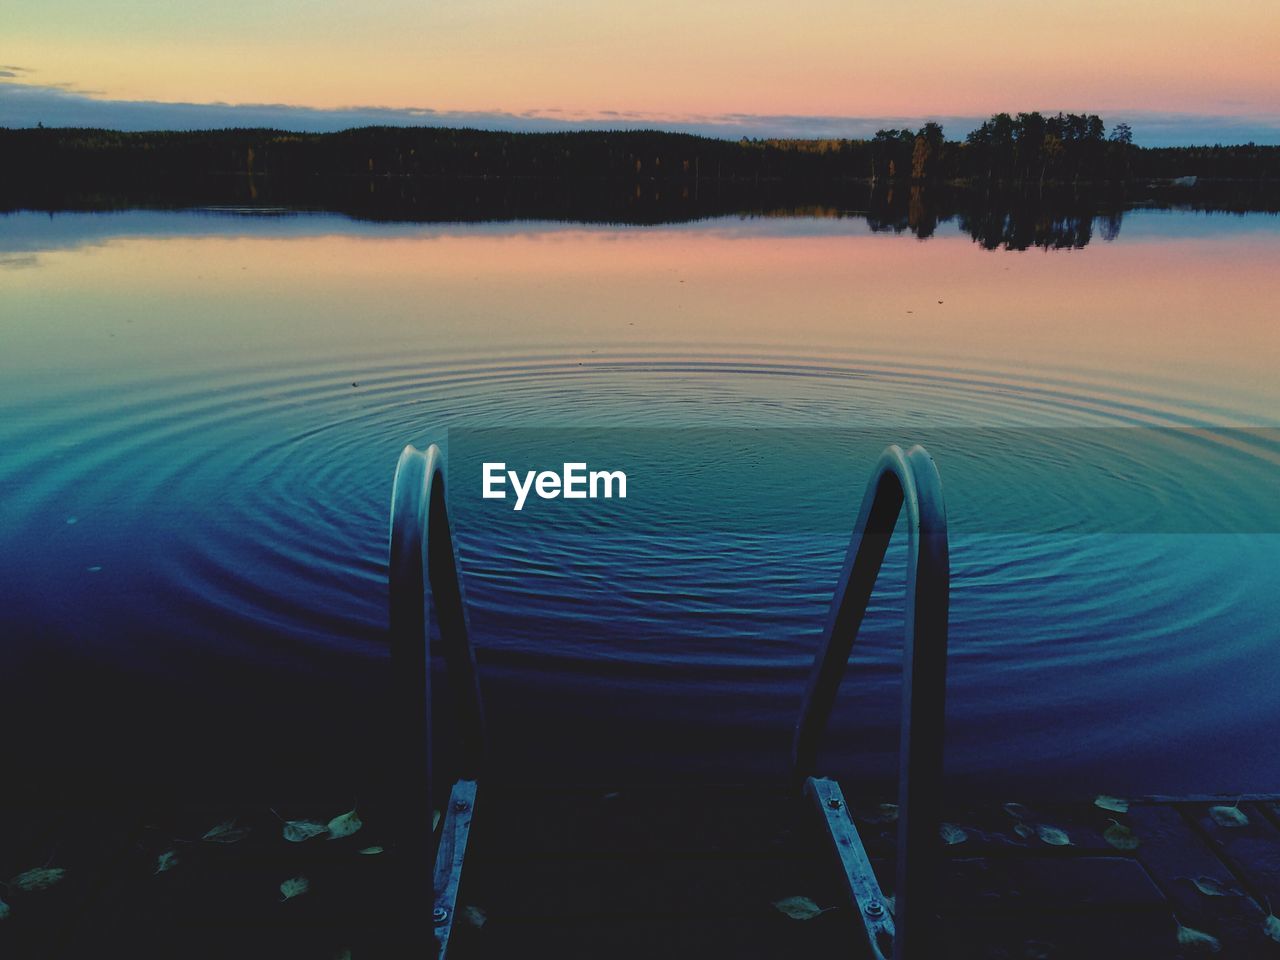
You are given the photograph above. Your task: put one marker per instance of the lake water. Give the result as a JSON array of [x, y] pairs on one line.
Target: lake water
[[200, 413]]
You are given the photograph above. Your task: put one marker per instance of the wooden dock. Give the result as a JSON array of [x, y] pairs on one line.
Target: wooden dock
[[627, 871]]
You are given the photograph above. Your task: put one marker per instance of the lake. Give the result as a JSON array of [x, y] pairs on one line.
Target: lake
[[200, 412]]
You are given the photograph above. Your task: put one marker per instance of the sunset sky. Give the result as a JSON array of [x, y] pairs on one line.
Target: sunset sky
[[662, 61]]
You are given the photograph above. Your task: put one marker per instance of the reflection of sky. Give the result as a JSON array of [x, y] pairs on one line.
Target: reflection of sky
[[1142, 224], [1161, 304], [30, 232], [216, 401]]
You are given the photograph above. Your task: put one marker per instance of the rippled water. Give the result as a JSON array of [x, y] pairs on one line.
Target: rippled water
[[200, 413]]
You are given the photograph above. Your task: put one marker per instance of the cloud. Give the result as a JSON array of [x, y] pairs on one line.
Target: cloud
[[26, 104], [18, 261]]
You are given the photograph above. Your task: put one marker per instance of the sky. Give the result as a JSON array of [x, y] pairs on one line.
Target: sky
[[1177, 70]]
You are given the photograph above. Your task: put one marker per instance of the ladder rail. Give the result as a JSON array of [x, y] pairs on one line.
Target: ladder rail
[[424, 586], [900, 483]]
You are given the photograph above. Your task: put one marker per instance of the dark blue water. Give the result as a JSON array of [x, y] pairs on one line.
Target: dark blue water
[[200, 413]]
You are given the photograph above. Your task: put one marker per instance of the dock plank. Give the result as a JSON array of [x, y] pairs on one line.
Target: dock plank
[[224, 899], [1203, 892], [643, 871], [611, 820], [85, 848], [1251, 849]]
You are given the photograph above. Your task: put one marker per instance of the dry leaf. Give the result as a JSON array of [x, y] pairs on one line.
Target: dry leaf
[[1025, 831], [166, 861], [951, 834], [1114, 804], [885, 813], [1228, 816], [1271, 927], [1039, 950], [226, 832], [295, 831], [1198, 940], [1053, 836], [41, 878], [369, 851], [1212, 887], [798, 908], [344, 825], [294, 887], [1016, 810], [1120, 837]]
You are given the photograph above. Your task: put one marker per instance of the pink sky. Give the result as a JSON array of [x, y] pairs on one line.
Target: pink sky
[[661, 58]]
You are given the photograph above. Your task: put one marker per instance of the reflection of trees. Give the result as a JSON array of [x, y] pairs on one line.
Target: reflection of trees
[[1019, 190], [997, 220], [1019, 223], [922, 217], [1109, 225]]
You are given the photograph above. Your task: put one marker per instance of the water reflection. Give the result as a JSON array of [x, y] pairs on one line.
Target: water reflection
[[199, 413], [1009, 218]]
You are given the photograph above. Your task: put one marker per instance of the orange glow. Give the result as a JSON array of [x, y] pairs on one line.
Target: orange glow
[[667, 59], [1198, 310]]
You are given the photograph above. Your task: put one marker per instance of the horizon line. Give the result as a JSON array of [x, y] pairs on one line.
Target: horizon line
[[26, 105]]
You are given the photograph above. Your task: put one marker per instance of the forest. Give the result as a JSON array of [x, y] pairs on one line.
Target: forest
[[1015, 182], [1021, 149]]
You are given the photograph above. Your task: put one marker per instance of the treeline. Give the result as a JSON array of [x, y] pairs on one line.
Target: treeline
[[408, 152], [1028, 148]]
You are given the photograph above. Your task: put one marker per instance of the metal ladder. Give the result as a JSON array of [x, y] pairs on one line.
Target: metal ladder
[[424, 585], [900, 482]]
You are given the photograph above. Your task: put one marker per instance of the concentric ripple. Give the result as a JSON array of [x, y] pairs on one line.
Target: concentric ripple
[[234, 510]]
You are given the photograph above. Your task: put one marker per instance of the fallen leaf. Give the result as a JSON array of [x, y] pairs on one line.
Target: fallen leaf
[[41, 878], [1016, 810], [370, 851], [4, 910], [226, 832], [798, 908], [1120, 837], [1114, 804], [1198, 940], [1271, 927], [951, 834], [295, 831], [1212, 887], [166, 861], [474, 917], [435, 820], [884, 813], [1228, 816], [294, 887], [1039, 950], [344, 825], [1053, 836], [1025, 831]]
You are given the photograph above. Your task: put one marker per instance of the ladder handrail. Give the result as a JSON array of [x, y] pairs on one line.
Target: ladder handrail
[[901, 481], [423, 580]]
